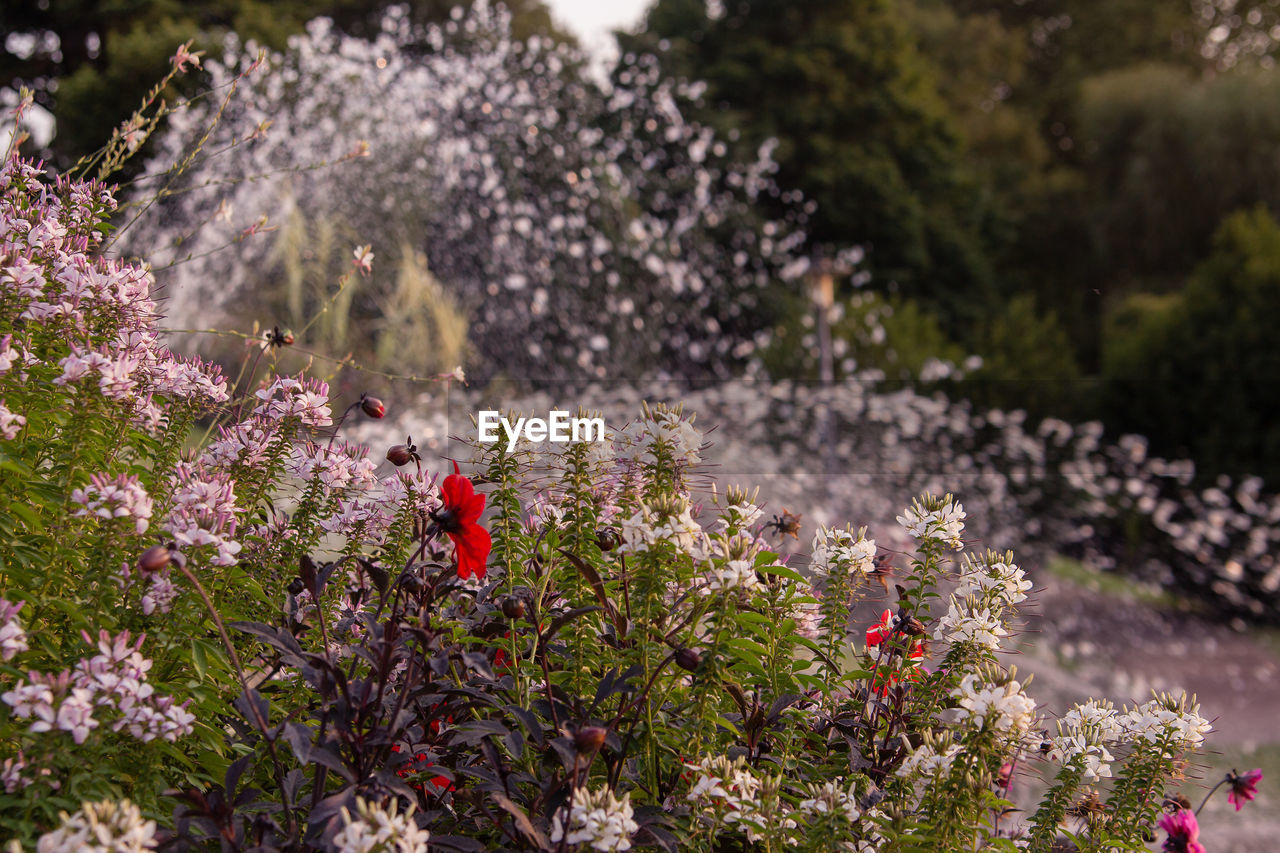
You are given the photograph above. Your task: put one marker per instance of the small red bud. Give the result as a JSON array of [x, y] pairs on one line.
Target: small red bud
[[399, 455], [589, 739], [372, 407], [154, 559]]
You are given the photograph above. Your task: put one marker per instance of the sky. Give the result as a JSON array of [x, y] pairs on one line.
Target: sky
[[592, 20]]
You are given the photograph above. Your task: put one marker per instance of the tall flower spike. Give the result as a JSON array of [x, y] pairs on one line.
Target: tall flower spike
[[458, 517]]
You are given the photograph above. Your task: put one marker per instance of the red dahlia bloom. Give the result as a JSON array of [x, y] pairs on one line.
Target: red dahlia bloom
[[458, 517], [882, 630], [1244, 786]]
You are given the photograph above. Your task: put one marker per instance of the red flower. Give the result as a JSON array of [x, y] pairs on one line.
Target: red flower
[[457, 517], [882, 630], [1244, 786], [1184, 832], [886, 677], [419, 765]]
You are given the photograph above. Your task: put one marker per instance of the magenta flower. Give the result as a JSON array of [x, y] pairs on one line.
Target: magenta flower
[[1184, 832], [1244, 786]]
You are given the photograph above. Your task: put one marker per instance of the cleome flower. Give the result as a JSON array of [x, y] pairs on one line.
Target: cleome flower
[[104, 827], [378, 829], [931, 518], [843, 552], [599, 820], [123, 497], [1002, 707], [1173, 723], [964, 624], [1084, 733]]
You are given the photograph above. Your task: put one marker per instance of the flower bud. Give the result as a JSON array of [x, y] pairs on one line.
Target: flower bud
[[688, 659], [607, 539], [589, 739], [399, 454], [913, 627], [154, 559], [372, 407], [512, 607]]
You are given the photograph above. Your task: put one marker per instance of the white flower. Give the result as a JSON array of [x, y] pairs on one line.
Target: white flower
[[993, 580], [104, 827], [363, 259], [1002, 706], [843, 552], [962, 624], [376, 829], [1174, 722], [599, 820], [832, 799], [935, 518], [924, 761], [734, 574]]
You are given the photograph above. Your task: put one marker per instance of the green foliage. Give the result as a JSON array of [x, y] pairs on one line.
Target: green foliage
[[860, 129], [1196, 372], [868, 331], [1028, 363], [1170, 157]]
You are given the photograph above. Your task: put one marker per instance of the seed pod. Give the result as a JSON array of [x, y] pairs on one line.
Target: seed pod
[[512, 607], [607, 539], [913, 627], [399, 454], [154, 559], [372, 407], [589, 739], [688, 659]]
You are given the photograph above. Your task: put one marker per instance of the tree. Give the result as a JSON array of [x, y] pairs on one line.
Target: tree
[[1197, 372], [861, 130]]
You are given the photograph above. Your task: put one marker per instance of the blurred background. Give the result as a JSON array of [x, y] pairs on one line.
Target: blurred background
[[885, 245]]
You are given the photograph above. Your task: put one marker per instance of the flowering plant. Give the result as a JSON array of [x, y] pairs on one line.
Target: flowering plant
[[293, 647]]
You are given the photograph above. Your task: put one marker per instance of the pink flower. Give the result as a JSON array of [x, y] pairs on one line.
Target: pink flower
[[1244, 786], [1184, 832], [184, 56], [364, 259]]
